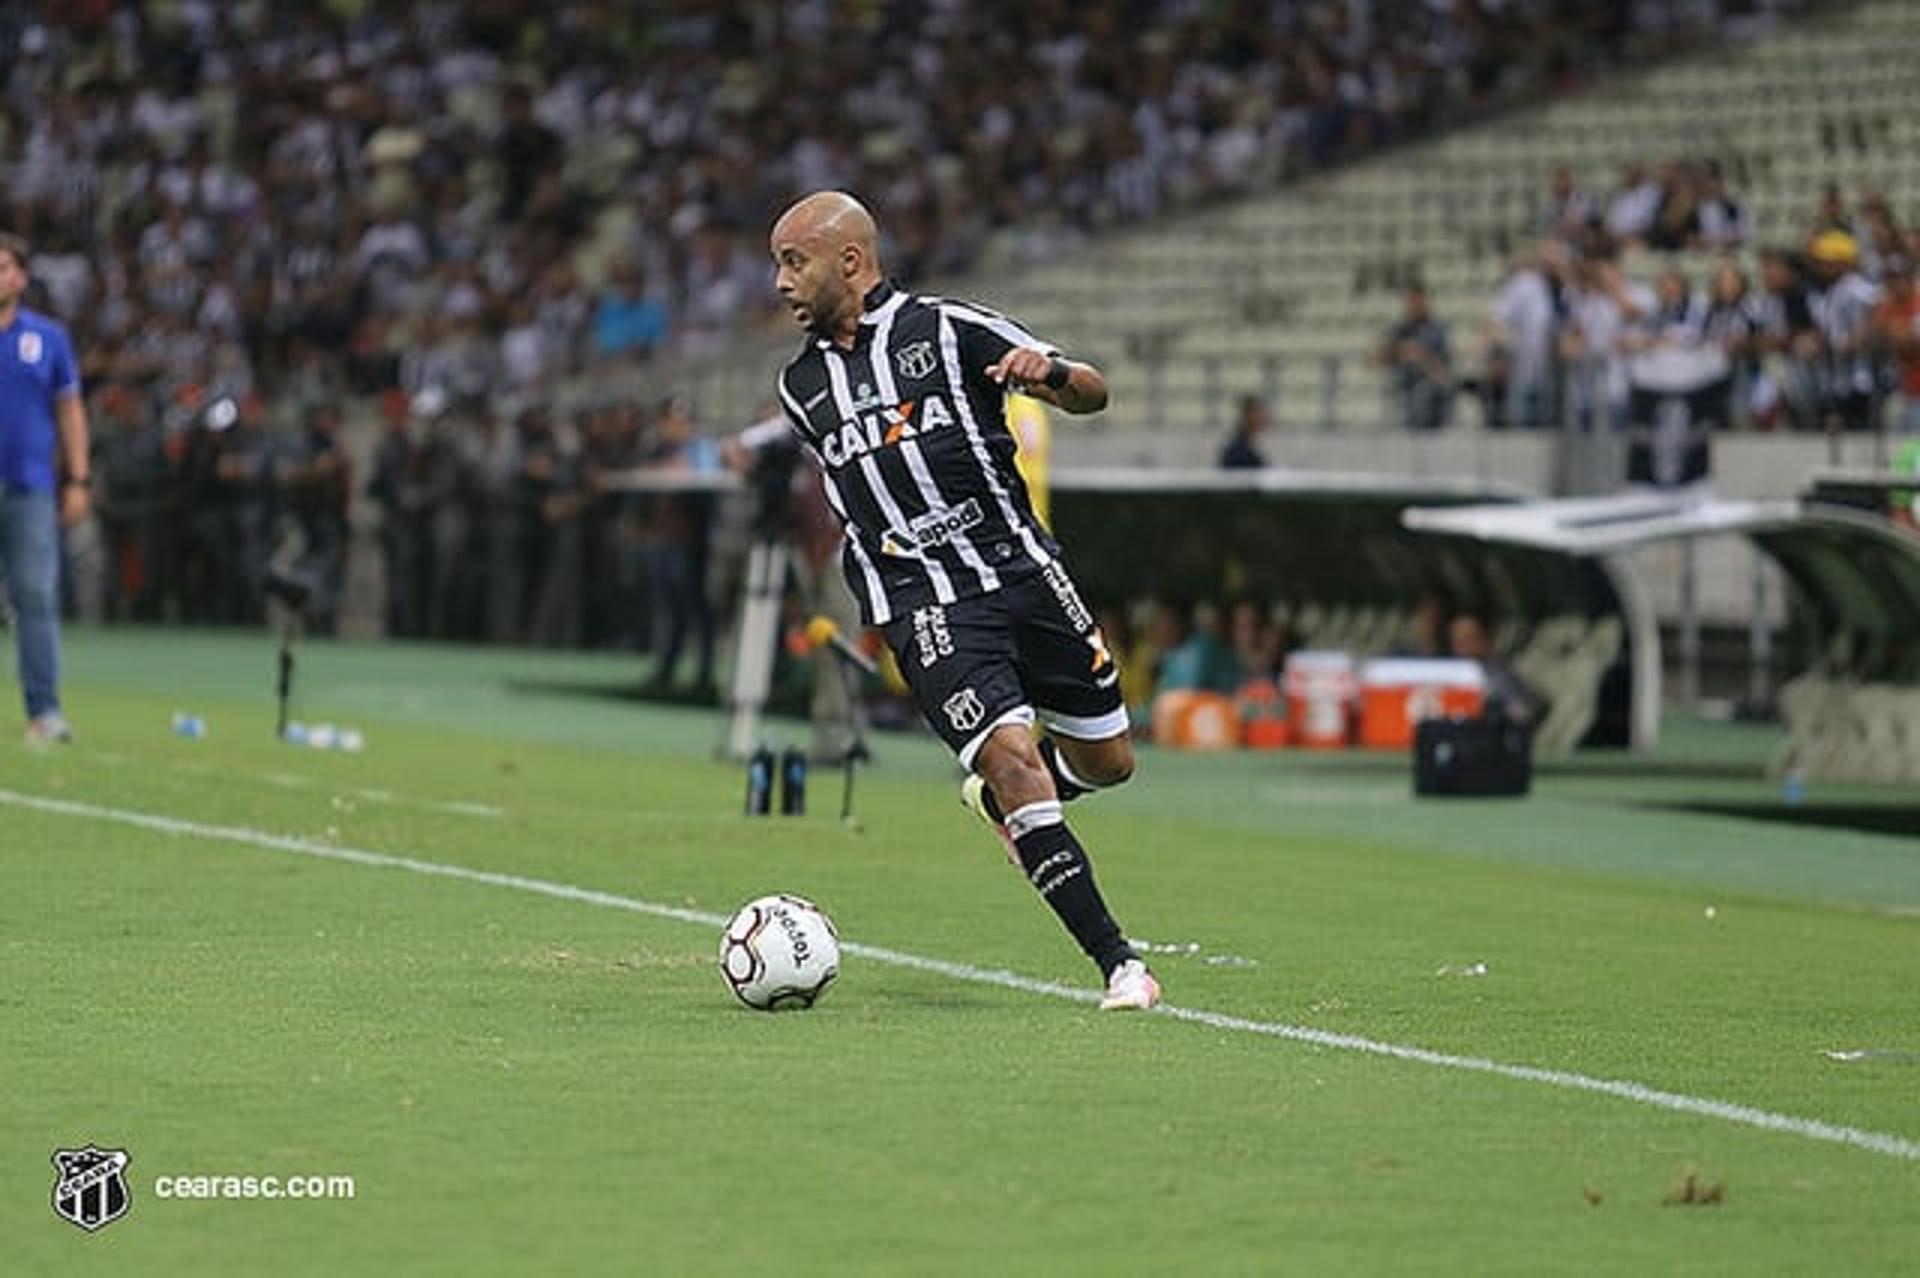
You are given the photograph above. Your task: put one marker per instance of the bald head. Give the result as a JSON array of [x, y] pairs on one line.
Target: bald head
[[827, 256], [832, 219]]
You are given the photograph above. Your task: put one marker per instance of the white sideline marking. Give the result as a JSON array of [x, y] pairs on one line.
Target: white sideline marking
[[1726, 1111]]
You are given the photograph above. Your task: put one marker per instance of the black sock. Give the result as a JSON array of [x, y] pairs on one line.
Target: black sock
[[1057, 866]]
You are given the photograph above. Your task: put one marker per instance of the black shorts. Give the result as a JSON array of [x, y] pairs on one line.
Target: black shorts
[[1029, 648]]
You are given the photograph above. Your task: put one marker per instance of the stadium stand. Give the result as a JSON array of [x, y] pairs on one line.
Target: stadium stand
[[491, 202], [509, 231], [425, 185], [1289, 293]]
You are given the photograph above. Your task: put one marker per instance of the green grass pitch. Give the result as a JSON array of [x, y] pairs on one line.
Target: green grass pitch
[[525, 1083]]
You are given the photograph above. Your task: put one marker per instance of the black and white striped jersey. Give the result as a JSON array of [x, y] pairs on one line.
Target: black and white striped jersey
[[912, 437]]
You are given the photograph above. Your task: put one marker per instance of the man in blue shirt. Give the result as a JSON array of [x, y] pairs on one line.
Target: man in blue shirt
[[43, 483]]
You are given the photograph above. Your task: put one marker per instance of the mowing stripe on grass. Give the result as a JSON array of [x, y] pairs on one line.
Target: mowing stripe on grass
[[1726, 1111], [294, 781]]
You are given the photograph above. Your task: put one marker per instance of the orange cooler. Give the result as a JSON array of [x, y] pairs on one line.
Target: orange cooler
[[1263, 714], [1190, 719], [1319, 690], [1398, 692]]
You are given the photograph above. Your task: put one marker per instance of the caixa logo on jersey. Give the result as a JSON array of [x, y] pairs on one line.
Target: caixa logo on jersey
[[869, 432], [90, 1188]]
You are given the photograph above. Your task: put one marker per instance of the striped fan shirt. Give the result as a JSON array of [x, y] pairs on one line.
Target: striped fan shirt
[[912, 439]]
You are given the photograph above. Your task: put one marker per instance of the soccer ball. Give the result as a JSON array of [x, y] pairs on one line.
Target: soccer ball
[[779, 953]]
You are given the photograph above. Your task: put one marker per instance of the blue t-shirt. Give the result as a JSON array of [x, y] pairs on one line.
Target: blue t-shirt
[[621, 323], [36, 369]]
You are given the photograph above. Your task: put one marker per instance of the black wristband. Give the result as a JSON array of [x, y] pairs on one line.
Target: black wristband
[[1058, 374], [77, 481]]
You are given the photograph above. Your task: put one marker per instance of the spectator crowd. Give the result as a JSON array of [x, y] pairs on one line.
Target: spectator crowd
[[251, 214], [308, 199], [593, 528], [1822, 333]]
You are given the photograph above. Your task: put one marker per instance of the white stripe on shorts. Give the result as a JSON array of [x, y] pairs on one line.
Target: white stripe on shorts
[[1022, 715], [1097, 728]]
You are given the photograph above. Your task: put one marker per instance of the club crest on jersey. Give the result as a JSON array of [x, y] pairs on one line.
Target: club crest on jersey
[[30, 348], [869, 432], [915, 360]]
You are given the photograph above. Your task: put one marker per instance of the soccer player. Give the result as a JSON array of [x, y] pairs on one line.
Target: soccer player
[[43, 483], [902, 400]]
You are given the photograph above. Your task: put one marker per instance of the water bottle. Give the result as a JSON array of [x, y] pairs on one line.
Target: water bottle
[[760, 782], [793, 782]]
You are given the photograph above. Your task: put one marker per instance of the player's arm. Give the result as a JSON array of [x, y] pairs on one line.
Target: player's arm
[[70, 421], [1067, 384], [1011, 357]]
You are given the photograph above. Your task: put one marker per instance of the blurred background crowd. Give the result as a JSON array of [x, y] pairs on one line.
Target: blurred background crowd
[[261, 218], [1820, 334], [317, 199]]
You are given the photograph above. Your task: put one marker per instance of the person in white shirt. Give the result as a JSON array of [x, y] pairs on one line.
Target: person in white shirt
[[1522, 326], [1601, 310], [1634, 205]]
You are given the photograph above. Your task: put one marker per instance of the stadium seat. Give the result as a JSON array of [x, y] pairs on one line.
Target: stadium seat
[[1457, 206]]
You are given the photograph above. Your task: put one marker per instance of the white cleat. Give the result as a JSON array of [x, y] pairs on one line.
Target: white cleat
[[48, 729], [1131, 988], [973, 797]]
